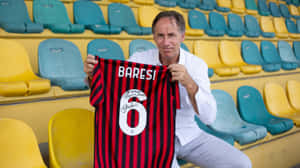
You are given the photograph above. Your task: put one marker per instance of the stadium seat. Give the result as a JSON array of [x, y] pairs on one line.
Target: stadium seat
[[263, 8], [298, 24], [166, 3], [140, 45], [253, 110], [144, 2], [89, 14], [251, 55], [223, 5], [183, 46], [277, 103], [238, 6], [271, 56], [294, 11], [119, 1], [226, 137], [208, 51], [207, 5], [296, 48], [252, 28], [71, 138], [267, 27], [286, 53], [293, 92], [188, 4], [235, 25], [251, 7], [19, 146], [230, 53], [280, 28], [197, 20], [105, 49], [292, 28], [217, 25], [60, 61], [274, 9], [14, 18], [146, 15], [229, 121], [296, 2], [284, 11], [53, 15], [121, 15], [16, 75]]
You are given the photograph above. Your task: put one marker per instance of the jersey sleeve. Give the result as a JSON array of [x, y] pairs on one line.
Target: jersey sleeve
[[97, 85]]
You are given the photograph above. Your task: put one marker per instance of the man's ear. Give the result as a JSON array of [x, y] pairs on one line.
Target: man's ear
[[182, 36]]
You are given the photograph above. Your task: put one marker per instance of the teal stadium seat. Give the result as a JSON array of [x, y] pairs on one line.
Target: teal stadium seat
[[251, 55], [284, 11], [291, 26], [263, 8], [183, 46], [121, 15], [298, 24], [53, 15], [252, 28], [296, 48], [217, 25], [253, 110], [89, 14], [226, 137], [286, 53], [271, 56], [274, 9], [140, 45], [207, 5], [229, 121], [14, 18], [235, 25], [167, 3], [60, 61], [251, 5], [188, 4], [106, 49], [296, 2], [197, 20]]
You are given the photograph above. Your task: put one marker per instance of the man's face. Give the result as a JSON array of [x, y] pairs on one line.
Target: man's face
[[168, 38]]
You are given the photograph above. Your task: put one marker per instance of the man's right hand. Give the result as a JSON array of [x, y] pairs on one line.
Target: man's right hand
[[89, 64]]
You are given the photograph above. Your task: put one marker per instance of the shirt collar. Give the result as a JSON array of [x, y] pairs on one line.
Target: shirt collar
[[181, 57]]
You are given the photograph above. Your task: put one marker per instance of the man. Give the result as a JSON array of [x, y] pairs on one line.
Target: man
[[192, 144]]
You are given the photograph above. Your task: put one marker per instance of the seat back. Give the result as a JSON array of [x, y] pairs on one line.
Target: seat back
[[251, 53], [291, 26], [121, 15], [71, 138], [197, 20], [284, 11], [208, 4], [269, 52], [183, 46], [296, 47], [140, 45], [251, 4], [88, 13], [230, 53], [146, 15], [224, 3], [13, 11], [263, 7], [285, 52], [280, 26], [266, 24], [294, 10], [293, 92], [251, 24], [238, 4], [274, 9], [217, 21], [235, 23], [105, 49], [208, 51], [19, 146]]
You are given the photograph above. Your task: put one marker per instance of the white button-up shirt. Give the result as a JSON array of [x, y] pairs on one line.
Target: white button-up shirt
[[186, 127]]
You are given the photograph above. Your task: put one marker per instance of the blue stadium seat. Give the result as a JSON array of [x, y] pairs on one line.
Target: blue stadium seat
[[121, 15], [197, 20], [89, 14], [251, 55], [166, 3], [292, 28], [263, 8], [14, 18], [106, 49], [60, 61], [217, 25], [298, 24], [53, 15], [271, 56], [183, 46], [253, 110], [286, 53], [274, 9], [284, 11], [226, 137], [140, 45], [188, 4], [235, 25], [251, 7], [296, 48], [296, 2], [229, 121], [252, 28], [207, 5]]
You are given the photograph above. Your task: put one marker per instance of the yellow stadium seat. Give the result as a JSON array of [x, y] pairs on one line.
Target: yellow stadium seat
[[119, 1], [144, 2], [277, 102], [71, 139], [18, 146], [294, 10], [16, 75], [266, 24], [208, 51], [224, 3], [230, 53], [280, 27], [146, 15], [293, 92], [238, 6]]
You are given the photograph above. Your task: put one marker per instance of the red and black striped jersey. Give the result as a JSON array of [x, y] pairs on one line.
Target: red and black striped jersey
[[135, 115]]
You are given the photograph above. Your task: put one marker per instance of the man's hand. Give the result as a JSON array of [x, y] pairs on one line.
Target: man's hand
[[89, 64]]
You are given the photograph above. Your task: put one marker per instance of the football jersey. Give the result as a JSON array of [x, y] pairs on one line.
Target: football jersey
[[135, 108]]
